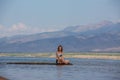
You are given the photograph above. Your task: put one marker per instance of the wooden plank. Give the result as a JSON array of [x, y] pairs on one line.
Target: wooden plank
[[34, 63]]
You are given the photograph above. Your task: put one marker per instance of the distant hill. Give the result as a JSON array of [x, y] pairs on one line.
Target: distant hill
[[100, 37]]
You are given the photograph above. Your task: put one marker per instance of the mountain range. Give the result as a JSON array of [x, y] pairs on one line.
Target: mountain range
[[100, 37]]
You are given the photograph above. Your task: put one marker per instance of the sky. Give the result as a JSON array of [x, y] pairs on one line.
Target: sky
[[19, 17]]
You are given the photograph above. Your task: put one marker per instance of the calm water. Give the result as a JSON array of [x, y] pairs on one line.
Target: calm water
[[82, 69]]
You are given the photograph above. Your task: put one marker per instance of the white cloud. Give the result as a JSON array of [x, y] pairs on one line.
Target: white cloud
[[21, 29], [18, 27]]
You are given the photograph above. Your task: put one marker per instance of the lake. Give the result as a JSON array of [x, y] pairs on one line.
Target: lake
[[82, 69]]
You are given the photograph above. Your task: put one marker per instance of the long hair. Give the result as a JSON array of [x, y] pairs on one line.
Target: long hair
[[59, 49]]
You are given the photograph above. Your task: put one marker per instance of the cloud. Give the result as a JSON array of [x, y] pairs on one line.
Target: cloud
[[22, 29], [15, 29], [18, 27]]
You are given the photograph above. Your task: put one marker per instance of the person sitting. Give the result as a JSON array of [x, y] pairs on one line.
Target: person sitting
[[59, 56]]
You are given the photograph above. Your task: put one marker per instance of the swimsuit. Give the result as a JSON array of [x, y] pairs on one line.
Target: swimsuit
[[59, 55]]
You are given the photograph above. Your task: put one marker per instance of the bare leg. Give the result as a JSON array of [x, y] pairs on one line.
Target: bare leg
[[66, 61], [62, 60]]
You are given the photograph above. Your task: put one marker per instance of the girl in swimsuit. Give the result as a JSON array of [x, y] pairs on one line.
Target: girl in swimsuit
[[59, 56]]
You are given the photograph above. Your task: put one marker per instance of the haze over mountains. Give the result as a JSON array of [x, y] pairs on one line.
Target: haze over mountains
[[100, 37]]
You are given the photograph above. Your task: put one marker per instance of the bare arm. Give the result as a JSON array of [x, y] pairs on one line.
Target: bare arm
[[57, 56]]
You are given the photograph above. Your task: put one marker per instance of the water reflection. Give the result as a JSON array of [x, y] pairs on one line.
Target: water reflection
[[59, 72]]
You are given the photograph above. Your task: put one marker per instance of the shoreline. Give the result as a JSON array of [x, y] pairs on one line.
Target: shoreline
[[97, 57], [92, 57], [66, 55]]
